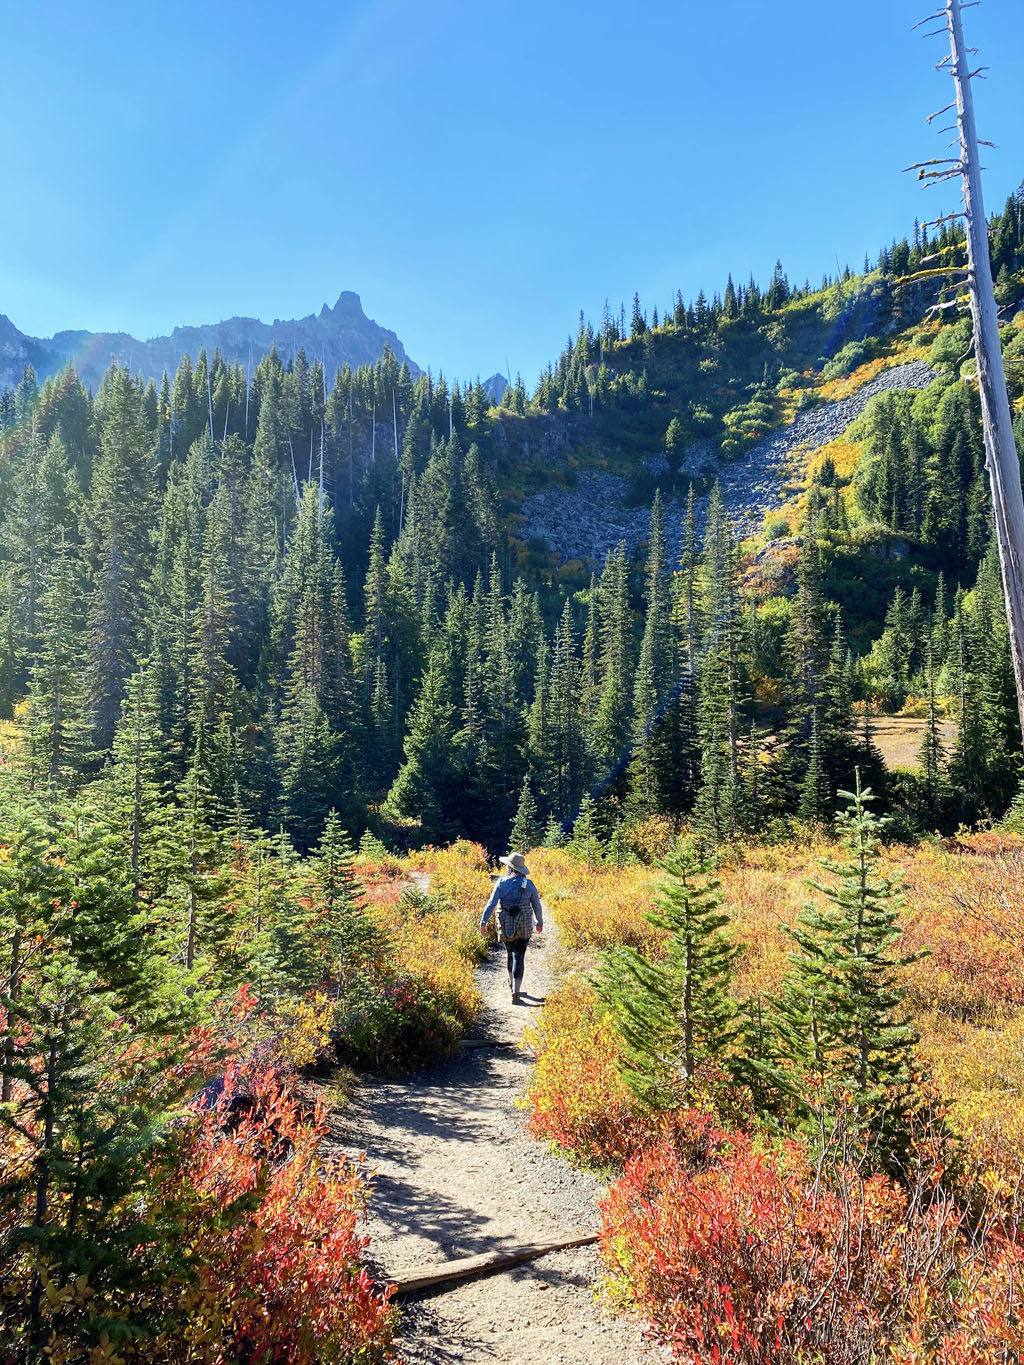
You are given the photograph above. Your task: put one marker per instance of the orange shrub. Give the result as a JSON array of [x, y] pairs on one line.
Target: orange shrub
[[244, 1245], [433, 936], [283, 1282], [576, 1096], [966, 908]]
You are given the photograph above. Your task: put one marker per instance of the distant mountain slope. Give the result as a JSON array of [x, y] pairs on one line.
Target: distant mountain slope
[[585, 521], [340, 335]]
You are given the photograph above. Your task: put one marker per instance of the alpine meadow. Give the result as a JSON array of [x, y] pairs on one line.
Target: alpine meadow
[[719, 628]]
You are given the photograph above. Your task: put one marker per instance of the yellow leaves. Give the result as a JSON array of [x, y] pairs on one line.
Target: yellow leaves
[[596, 906], [306, 1029]]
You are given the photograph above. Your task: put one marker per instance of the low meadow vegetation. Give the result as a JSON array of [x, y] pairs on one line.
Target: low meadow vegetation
[[166, 1188], [746, 1227]]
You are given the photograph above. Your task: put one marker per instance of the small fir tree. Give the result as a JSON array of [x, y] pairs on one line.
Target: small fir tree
[[586, 842], [526, 830], [353, 939], [675, 1014], [841, 1022]]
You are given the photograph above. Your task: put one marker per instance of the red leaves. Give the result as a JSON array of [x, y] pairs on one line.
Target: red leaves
[[280, 1276], [740, 1253]]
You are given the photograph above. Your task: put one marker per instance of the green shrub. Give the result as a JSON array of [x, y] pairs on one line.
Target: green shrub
[[854, 353]]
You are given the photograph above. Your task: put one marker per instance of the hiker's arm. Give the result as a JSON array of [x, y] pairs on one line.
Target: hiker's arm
[[538, 913], [490, 907]]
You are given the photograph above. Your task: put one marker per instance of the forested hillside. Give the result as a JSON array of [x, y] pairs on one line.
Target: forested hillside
[[331, 603], [246, 624]]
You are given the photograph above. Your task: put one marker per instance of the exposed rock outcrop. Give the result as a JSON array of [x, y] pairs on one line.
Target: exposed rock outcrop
[[342, 335], [586, 521]]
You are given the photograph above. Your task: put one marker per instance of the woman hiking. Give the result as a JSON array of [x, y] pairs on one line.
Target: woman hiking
[[516, 900]]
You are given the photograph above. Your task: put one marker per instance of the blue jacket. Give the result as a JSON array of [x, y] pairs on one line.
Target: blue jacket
[[515, 889]]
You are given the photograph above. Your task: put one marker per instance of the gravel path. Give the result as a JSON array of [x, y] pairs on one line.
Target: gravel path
[[458, 1175], [587, 521]]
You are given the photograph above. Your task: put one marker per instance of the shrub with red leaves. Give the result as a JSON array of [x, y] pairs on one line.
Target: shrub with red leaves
[[275, 1236], [746, 1254]]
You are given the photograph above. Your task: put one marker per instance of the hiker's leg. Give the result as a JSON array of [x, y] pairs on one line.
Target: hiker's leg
[[511, 964], [520, 966]]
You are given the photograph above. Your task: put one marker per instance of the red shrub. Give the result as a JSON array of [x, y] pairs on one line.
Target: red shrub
[[745, 1255], [284, 1281]]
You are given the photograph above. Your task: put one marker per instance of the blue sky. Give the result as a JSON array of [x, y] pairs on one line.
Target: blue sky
[[477, 170]]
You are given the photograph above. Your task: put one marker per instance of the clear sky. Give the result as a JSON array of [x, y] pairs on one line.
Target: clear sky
[[477, 170]]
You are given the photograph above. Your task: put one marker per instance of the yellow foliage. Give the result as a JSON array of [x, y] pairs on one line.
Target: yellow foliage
[[576, 1095], [964, 908], [438, 941], [305, 1029], [845, 455], [596, 906]]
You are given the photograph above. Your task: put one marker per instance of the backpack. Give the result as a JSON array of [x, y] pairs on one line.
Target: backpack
[[515, 913]]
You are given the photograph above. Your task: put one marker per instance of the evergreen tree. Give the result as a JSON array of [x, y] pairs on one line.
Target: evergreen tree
[[526, 831], [841, 1021], [87, 1077], [653, 760], [118, 522], [56, 726], [350, 935], [566, 780], [428, 786], [674, 1013], [931, 755], [586, 842], [197, 892], [136, 792], [613, 715], [717, 809]]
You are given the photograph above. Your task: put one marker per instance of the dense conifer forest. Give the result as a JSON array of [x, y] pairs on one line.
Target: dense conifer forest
[[319, 593], [262, 634]]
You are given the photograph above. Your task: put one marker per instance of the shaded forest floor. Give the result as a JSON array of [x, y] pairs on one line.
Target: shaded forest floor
[[457, 1174]]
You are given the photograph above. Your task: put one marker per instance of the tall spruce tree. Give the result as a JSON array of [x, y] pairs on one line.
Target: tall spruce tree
[[652, 761], [55, 723], [118, 521], [717, 812]]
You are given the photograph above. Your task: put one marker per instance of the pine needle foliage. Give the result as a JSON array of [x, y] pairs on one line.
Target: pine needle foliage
[[845, 1044], [675, 1015], [526, 830]]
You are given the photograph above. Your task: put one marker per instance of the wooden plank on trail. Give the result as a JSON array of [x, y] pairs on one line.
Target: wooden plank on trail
[[430, 1277]]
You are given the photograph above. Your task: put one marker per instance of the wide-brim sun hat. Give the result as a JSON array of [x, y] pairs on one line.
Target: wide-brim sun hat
[[516, 862]]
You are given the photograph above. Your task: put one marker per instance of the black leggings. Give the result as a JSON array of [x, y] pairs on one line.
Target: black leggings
[[517, 957]]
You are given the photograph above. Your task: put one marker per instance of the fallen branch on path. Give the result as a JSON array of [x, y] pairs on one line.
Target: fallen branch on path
[[489, 1263]]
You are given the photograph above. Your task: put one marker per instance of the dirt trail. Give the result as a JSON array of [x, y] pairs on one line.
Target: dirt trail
[[457, 1175]]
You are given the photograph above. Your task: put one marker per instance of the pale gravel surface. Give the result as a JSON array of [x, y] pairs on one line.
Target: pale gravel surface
[[457, 1174]]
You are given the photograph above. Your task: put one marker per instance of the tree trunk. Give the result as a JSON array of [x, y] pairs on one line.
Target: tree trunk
[[1000, 448], [13, 983]]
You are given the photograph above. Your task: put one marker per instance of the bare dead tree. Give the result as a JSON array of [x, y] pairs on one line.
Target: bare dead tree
[[1000, 448]]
